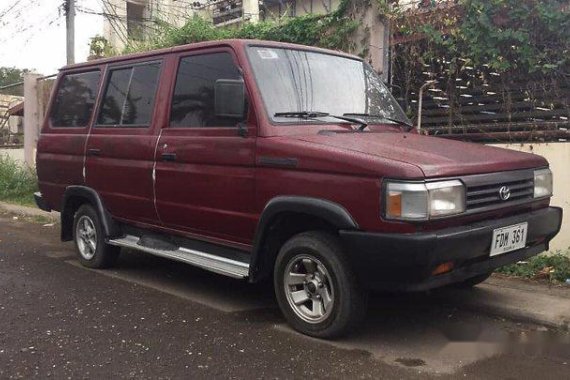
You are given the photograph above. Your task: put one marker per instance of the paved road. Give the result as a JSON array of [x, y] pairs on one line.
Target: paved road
[[151, 318]]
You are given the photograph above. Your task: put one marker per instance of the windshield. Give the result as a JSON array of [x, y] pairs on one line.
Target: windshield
[[296, 81]]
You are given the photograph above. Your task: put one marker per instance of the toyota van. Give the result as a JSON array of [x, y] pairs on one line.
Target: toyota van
[[267, 161]]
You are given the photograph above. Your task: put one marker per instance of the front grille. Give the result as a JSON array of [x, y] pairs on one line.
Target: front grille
[[483, 190]]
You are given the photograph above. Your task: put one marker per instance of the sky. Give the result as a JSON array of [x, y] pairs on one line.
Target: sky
[[32, 33]]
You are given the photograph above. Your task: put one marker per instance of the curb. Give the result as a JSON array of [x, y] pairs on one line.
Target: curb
[[28, 211], [505, 299]]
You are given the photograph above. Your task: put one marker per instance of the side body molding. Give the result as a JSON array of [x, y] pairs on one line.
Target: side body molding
[[330, 212], [69, 205]]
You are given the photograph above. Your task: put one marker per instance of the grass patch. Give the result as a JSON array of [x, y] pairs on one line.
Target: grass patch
[[553, 267], [17, 182]]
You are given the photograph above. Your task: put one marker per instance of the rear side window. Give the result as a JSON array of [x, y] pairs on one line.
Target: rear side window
[[193, 99], [75, 99], [129, 96]]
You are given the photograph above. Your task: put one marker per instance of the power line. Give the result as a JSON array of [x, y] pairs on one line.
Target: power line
[[116, 21], [38, 28], [10, 7], [117, 28], [22, 26]]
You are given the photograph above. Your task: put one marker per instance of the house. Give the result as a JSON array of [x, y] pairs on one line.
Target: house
[[282, 8], [136, 19], [11, 112]]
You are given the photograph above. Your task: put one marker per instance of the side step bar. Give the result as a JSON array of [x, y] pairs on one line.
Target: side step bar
[[213, 263]]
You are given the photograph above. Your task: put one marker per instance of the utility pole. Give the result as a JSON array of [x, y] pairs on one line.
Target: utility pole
[[70, 28]]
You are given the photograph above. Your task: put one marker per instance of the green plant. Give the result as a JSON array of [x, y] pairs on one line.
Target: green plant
[[506, 35], [554, 267], [17, 182], [515, 49], [100, 47], [11, 75]]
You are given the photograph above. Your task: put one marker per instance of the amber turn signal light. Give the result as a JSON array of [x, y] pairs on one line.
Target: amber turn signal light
[[443, 268], [394, 206]]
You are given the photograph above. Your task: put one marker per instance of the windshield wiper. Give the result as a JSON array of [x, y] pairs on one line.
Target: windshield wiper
[[301, 114], [362, 124], [314, 114], [397, 121]]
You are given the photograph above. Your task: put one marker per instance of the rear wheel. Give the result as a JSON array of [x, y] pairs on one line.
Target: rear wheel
[[316, 288], [89, 238]]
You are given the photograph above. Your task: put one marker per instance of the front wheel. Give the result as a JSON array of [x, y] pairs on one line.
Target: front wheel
[[315, 287]]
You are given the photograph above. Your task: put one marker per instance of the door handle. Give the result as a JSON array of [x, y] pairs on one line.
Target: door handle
[[93, 152], [168, 156]]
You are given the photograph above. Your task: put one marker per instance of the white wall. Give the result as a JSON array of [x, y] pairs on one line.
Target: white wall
[[558, 155], [115, 26], [15, 154]]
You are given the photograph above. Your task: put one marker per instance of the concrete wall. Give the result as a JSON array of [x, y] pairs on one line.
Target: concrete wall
[[115, 26], [558, 154], [15, 154]]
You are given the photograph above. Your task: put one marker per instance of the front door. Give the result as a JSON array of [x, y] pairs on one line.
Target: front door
[[120, 149], [204, 167]]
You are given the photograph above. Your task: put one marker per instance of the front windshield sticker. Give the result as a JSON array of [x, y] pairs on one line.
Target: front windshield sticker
[[267, 54]]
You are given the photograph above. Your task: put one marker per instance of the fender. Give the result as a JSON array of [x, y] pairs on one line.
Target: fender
[[331, 212], [109, 226]]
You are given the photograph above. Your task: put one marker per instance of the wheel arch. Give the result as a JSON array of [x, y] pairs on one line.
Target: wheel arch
[[76, 196], [285, 216]]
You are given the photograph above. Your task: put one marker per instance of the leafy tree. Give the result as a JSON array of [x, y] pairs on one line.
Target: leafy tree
[[10, 75]]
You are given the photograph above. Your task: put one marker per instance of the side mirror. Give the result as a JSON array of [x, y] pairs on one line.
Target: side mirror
[[229, 98]]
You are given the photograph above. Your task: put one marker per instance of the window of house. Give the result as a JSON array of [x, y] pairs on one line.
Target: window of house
[[75, 99], [193, 99], [129, 96], [135, 21]]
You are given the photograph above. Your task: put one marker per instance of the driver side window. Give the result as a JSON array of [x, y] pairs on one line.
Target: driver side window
[[193, 102]]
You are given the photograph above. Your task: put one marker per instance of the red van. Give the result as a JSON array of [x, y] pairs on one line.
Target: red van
[[261, 160]]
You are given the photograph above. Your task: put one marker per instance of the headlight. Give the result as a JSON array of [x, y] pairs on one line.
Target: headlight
[[446, 198], [422, 201], [542, 183]]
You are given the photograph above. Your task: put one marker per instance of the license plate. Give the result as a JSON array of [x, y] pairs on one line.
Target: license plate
[[510, 238]]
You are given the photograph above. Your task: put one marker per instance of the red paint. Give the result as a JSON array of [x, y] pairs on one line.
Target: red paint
[[217, 188]]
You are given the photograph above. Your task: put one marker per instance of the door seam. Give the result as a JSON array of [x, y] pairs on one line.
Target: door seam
[[154, 177]]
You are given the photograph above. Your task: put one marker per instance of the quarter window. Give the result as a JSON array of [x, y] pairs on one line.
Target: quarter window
[[193, 101], [75, 100], [129, 96]]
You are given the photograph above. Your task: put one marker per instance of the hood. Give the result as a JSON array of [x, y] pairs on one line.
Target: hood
[[435, 157]]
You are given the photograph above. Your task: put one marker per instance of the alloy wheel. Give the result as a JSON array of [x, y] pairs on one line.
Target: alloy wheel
[[308, 288], [86, 236]]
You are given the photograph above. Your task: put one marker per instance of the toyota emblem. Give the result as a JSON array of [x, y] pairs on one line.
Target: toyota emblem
[[504, 193]]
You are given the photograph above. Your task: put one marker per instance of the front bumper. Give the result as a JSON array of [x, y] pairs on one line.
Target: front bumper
[[406, 261]]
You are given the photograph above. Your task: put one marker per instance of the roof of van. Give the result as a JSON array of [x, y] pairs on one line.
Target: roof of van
[[200, 45]]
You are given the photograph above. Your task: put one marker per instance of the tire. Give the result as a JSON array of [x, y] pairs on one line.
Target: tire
[[316, 288], [473, 281], [89, 238]]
